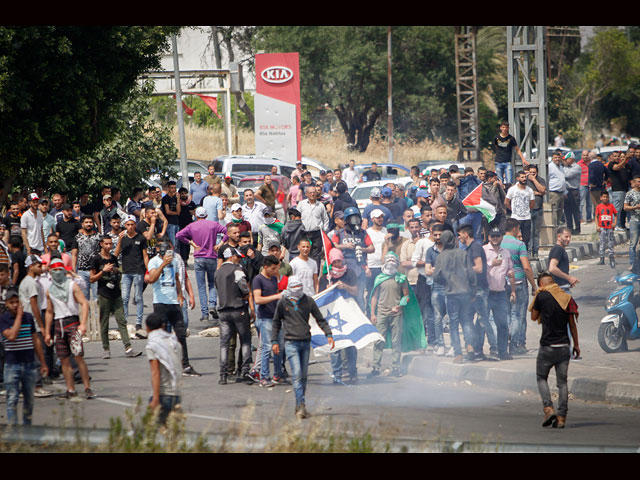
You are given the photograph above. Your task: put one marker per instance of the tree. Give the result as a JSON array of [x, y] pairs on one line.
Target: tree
[[140, 148], [62, 87]]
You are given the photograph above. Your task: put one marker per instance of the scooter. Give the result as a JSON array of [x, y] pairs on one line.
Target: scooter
[[621, 323]]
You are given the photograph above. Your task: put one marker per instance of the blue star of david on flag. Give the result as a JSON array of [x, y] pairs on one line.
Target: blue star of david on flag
[[334, 321]]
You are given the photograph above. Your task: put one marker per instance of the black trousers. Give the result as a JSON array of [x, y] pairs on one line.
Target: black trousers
[[173, 314], [316, 246], [232, 322], [572, 208]]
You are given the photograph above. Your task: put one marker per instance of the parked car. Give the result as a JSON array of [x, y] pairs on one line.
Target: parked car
[[550, 151], [251, 163], [361, 192], [428, 165], [281, 185], [156, 178], [606, 151], [314, 166]]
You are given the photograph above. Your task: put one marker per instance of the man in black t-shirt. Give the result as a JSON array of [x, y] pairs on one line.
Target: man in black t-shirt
[[556, 311], [558, 260], [152, 228], [12, 223], [504, 144], [171, 209], [104, 270], [68, 227], [187, 209], [135, 259]]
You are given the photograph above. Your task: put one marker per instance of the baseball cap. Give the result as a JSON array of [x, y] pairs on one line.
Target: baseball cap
[[108, 195], [33, 196], [338, 214], [201, 212], [147, 205], [272, 244], [227, 175], [386, 192], [423, 184], [11, 292], [268, 211], [423, 193], [496, 232], [129, 218], [31, 259], [229, 252], [375, 193], [65, 206], [376, 213], [236, 206], [490, 174]]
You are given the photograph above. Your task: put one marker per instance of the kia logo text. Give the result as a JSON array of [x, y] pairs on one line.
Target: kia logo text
[[277, 74]]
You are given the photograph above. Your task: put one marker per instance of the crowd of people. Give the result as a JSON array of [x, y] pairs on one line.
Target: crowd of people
[[471, 276]]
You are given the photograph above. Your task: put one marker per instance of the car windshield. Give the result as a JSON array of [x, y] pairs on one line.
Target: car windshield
[[361, 193], [254, 184]]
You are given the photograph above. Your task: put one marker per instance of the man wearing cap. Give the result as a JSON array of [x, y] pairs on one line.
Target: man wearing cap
[[230, 189], [499, 268], [271, 231], [20, 341], [164, 276], [198, 188], [375, 196], [298, 171], [343, 199], [205, 236], [237, 219], [233, 292], [135, 259], [31, 224], [106, 214], [377, 233]]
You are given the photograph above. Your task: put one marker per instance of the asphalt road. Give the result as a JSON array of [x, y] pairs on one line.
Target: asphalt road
[[421, 411]]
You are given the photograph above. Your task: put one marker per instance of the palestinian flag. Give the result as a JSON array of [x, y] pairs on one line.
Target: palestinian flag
[[474, 202]]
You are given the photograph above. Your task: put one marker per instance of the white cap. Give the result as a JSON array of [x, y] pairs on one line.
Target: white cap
[[201, 212], [376, 213], [129, 218], [236, 206]]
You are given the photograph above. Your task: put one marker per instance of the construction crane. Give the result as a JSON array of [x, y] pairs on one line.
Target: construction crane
[[467, 94]]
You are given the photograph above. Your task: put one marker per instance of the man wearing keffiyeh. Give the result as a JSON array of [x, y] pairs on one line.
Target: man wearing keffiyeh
[[557, 312], [395, 312]]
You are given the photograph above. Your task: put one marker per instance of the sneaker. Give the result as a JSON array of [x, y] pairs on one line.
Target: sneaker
[[301, 412], [214, 313], [396, 372], [248, 379], [431, 349], [255, 374], [88, 394], [601, 262], [140, 333], [612, 261], [204, 318], [47, 381], [188, 332], [506, 356], [440, 351], [353, 381], [106, 354], [266, 383], [67, 395], [190, 372], [450, 352], [223, 380], [493, 356], [41, 393], [131, 353], [279, 381], [374, 373], [457, 359]]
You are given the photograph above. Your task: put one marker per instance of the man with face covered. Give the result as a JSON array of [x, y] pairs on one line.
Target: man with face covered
[[292, 314]]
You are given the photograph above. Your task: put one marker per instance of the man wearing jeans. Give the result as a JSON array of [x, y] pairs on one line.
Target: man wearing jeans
[[205, 236], [499, 267], [84, 246], [522, 273], [539, 187], [555, 310], [620, 174], [585, 197], [439, 310], [632, 207], [135, 259], [504, 144], [171, 209], [292, 314]]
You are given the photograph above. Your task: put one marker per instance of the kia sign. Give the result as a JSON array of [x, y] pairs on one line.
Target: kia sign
[[277, 74], [277, 106]]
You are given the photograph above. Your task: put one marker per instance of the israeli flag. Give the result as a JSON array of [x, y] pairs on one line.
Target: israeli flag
[[349, 326]]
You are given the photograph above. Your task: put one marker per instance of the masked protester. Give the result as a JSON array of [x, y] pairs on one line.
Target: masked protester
[[292, 314]]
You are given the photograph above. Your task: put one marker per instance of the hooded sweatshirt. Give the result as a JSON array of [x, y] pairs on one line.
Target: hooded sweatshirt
[[292, 232], [454, 268]]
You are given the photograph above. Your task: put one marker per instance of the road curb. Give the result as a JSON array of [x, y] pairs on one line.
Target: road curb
[[499, 375]]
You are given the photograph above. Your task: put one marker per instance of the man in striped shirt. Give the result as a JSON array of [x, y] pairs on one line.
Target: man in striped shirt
[[20, 370]]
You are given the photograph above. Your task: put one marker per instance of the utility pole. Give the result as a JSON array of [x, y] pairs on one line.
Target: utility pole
[[389, 95], [467, 94], [183, 143]]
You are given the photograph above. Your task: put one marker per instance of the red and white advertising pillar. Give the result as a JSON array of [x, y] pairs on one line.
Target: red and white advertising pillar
[[277, 106]]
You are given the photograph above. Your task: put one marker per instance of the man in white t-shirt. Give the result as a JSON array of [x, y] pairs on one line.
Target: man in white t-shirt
[[520, 200], [349, 174], [378, 234], [31, 224], [305, 268]]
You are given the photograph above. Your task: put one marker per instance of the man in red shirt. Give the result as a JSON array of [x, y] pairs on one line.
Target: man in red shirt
[[606, 217]]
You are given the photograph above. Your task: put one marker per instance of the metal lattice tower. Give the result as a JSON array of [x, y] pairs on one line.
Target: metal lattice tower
[[467, 94], [527, 89]]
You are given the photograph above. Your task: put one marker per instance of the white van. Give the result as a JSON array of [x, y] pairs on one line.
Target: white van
[[251, 163]]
